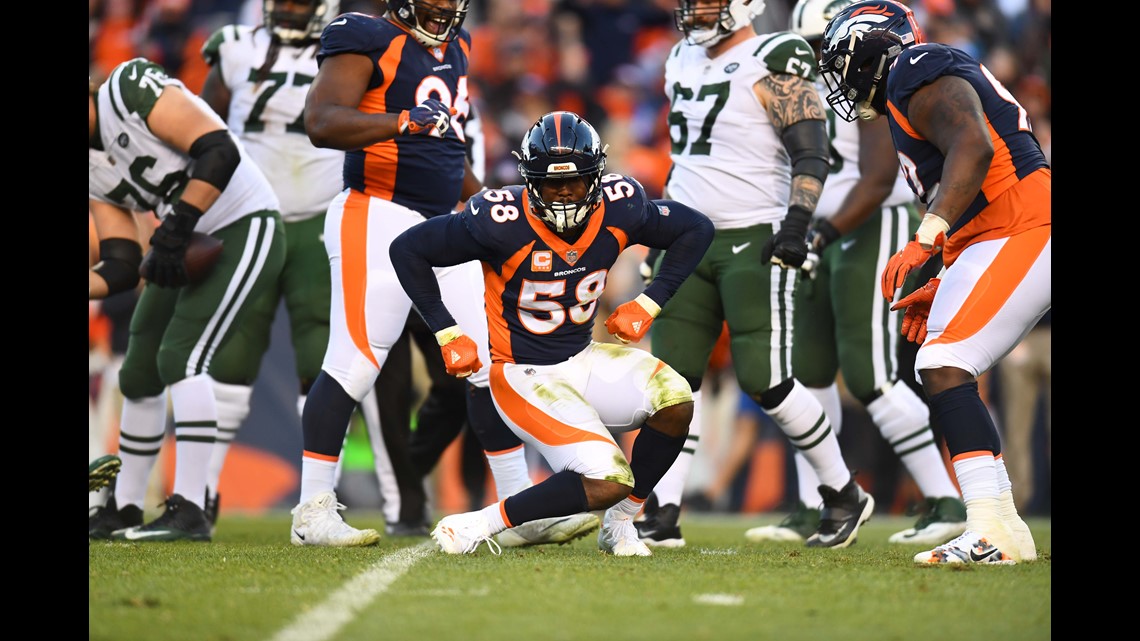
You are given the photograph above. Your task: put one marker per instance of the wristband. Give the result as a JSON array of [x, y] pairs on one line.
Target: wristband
[[445, 336], [648, 304], [932, 225]]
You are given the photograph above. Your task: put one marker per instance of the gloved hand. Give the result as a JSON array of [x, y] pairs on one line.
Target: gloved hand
[[646, 267], [917, 305], [788, 247], [821, 234], [460, 354], [931, 232], [164, 265], [426, 116], [913, 256], [630, 321]]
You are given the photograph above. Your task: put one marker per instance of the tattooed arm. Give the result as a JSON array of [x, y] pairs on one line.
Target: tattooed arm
[[794, 108], [796, 112]]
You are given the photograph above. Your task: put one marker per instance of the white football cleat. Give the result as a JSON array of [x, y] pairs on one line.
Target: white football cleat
[[462, 533], [970, 547], [619, 537], [318, 522], [558, 529]]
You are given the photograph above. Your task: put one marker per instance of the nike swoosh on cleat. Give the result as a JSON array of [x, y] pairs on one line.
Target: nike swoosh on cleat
[[299, 535], [978, 558], [918, 57], [736, 249]]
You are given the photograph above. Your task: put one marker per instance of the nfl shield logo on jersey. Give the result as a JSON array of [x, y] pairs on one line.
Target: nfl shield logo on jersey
[[572, 256]]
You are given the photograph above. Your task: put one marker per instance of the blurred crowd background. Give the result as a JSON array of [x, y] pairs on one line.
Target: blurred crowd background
[[603, 59]]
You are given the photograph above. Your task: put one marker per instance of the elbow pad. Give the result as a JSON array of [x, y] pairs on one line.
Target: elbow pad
[[216, 157], [807, 145], [118, 265]]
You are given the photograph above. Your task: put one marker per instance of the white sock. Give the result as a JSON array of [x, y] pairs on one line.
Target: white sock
[[494, 515], [803, 420], [195, 432], [232, 402], [904, 421], [510, 471], [382, 462], [829, 398], [317, 476], [807, 481], [141, 431], [628, 506], [671, 487]]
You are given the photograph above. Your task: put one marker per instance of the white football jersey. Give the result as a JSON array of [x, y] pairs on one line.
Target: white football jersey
[[137, 171], [268, 117], [844, 165], [728, 160]]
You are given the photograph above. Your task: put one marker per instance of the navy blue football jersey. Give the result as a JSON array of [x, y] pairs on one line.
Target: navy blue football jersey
[[421, 172], [1016, 150]]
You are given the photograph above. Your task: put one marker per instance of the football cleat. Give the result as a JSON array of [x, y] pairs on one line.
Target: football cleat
[[659, 528], [211, 509], [941, 520], [969, 547], [558, 529], [463, 533], [318, 522], [181, 521], [107, 518], [843, 512], [619, 537], [102, 471], [796, 527]]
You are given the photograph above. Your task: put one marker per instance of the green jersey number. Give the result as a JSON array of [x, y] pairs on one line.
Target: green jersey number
[[274, 81], [701, 146], [166, 190]]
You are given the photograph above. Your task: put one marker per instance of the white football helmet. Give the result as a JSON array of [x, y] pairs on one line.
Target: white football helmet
[[294, 28], [730, 16], [810, 17]]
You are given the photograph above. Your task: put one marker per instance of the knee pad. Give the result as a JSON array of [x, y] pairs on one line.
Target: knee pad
[[898, 412], [772, 397]]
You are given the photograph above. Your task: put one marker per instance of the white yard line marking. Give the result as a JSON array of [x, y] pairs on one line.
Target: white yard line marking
[[325, 620], [718, 599]]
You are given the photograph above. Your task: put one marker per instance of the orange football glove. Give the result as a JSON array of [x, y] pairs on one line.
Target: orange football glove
[[931, 232], [917, 305], [460, 354], [630, 321]]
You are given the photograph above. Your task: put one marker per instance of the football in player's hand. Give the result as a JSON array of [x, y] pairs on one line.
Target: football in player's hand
[[201, 256]]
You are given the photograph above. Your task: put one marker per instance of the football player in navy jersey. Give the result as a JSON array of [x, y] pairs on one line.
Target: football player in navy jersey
[[391, 91], [546, 248], [968, 151]]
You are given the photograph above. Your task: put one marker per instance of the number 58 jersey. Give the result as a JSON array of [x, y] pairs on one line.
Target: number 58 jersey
[[541, 291]]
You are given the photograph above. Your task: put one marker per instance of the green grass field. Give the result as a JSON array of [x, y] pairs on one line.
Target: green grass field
[[251, 584]]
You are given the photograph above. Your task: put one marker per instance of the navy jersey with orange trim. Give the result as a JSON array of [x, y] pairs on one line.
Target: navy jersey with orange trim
[[542, 292], [1016, 150], [421, 172]]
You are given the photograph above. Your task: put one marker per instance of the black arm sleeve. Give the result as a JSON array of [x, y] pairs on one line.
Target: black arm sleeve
[[806, 142], [118, 265], [216, 158], [686, 234], [440, 241]]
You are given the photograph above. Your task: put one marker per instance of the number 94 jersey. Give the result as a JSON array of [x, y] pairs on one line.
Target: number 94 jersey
[[542, 292]]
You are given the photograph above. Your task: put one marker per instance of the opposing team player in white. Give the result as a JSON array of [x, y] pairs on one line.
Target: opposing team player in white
[[866, 214], [750, 149]]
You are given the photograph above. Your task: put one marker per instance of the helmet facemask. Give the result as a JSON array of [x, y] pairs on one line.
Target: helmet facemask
[[431, 25], [859, 45], [730, 16]]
